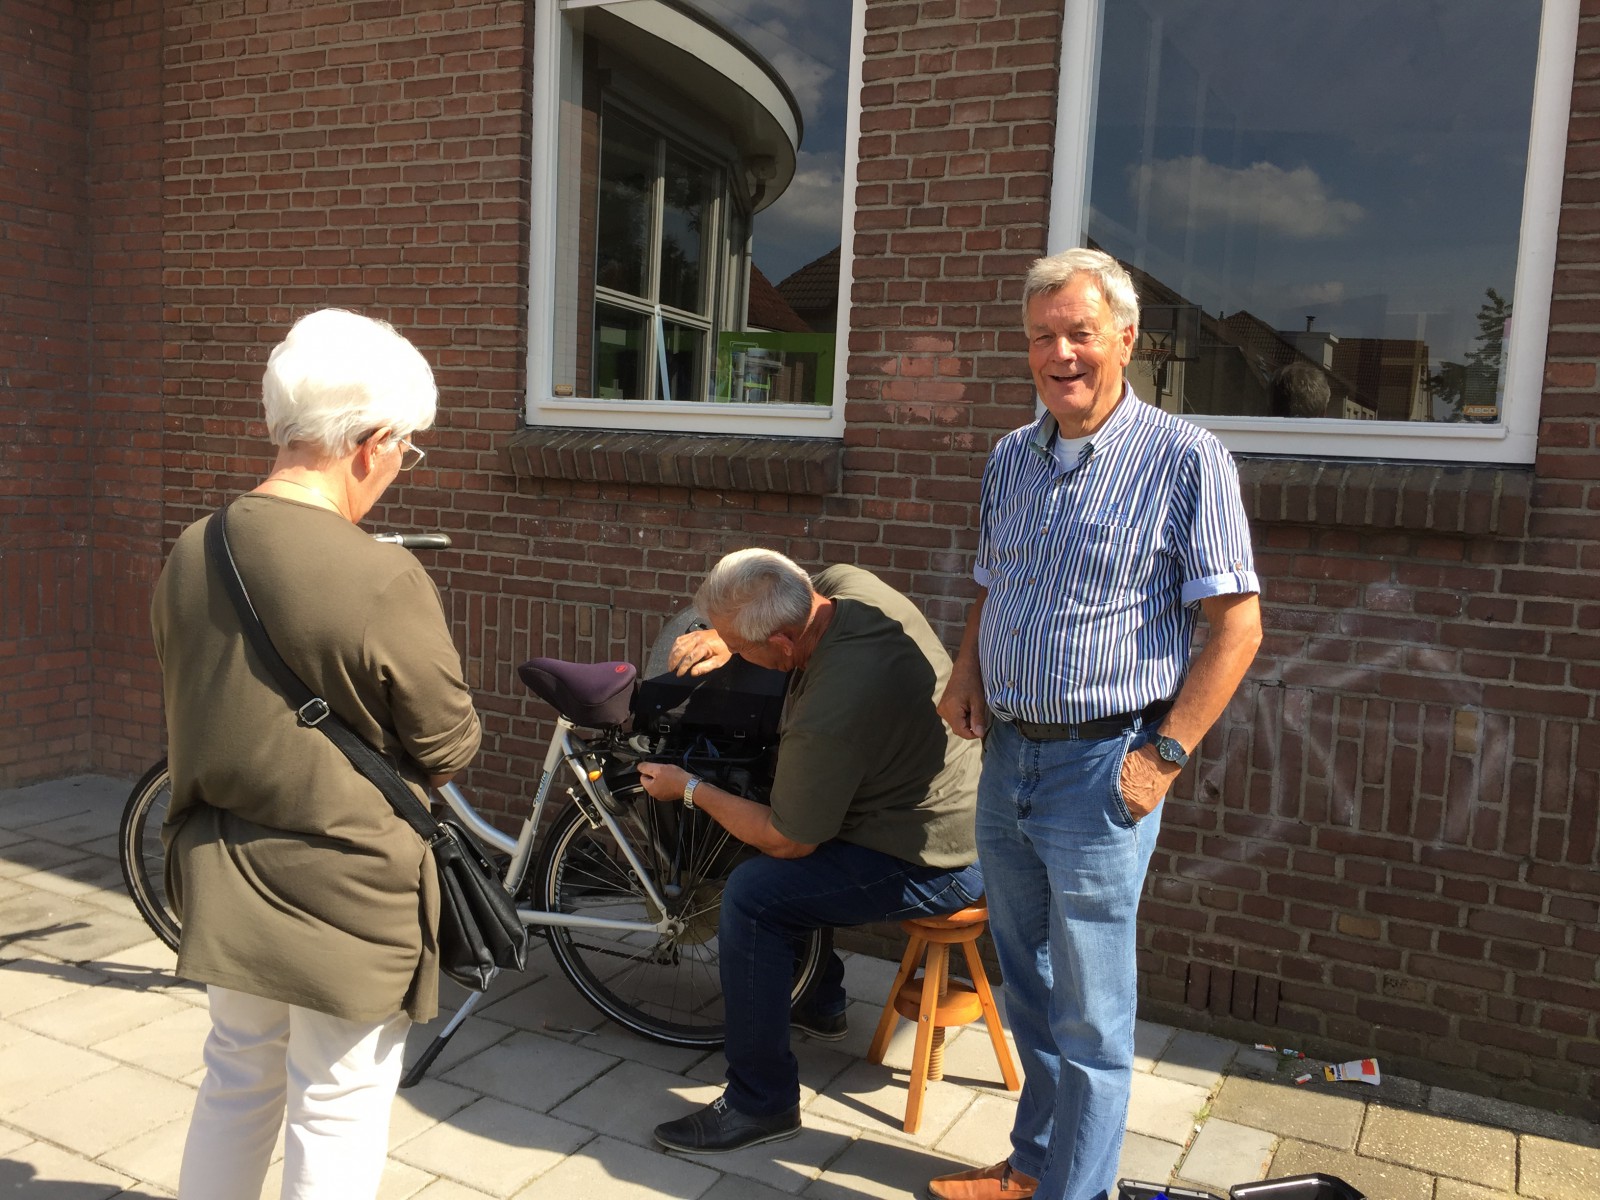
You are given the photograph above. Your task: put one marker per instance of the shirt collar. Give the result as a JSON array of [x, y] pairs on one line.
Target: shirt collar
[[1045, 428]]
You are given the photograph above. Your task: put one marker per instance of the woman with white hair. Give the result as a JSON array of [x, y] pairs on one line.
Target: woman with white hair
[[309, 908]]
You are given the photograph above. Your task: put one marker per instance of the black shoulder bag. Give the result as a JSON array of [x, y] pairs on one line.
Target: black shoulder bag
[[479, 931]]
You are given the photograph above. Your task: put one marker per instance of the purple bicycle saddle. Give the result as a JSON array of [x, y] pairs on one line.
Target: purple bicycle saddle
[[590, 694]]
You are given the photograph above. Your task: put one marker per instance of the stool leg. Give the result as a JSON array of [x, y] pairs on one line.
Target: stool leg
[[991, 1018], [932, 982], [886, 1023]]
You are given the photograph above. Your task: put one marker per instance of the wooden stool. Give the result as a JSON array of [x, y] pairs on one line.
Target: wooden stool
[[935, 1003]]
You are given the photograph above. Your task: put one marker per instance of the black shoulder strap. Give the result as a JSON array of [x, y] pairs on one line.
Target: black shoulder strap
[[311, 709]]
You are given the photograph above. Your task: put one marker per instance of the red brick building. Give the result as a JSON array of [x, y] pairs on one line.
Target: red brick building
[[1388, 845]]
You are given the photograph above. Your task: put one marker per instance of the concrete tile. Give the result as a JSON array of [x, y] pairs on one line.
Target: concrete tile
[[1224, 1154], [1440, 1146], [1553, 1170], [969, 1059], [105, 1110], [1456, 1189], [21, 859], [27, 981], [472, 1038], [56, 798], [42, 1170], [10, 888], [422, 1107], [607, 1169], [97, 1013], [153, 1156], [1195, 1058], [863, 1019], [868, 979], [1371, 1177], [401, 1182], [611, 1038], [171, 1045], [550, 1005], [983, 1134], [68, 929], [1520, 1118], [873, 1166], [1147, 1159], [820, 1064], [34, 1067], [631, 1099], [869, 1096], [1150, 1041], [1290, 1111], [11, 1139], [790, 1166], [449, 1189], [734, 1187], [147, 960], [10, 1033], [529, 1070], [99, 821], [84, 878], [492, 1146], [1164, 1108]]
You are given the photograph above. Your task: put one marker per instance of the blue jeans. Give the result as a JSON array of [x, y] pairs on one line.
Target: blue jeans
[[768, 903], [1064, 865]]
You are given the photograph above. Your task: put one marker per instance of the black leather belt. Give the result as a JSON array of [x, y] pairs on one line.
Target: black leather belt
[[1096, 730]]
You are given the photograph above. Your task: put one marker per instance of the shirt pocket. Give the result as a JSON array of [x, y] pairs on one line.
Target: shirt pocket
[[1103, 562]]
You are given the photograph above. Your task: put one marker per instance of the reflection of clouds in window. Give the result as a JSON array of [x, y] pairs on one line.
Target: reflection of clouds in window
[[806, 56], [1191, 191], [804, 222]]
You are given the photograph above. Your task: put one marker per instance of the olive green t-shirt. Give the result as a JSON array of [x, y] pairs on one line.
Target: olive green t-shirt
[[864, 755], [295, 878]]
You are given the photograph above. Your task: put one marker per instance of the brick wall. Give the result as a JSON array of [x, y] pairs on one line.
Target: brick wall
[[44, 381]]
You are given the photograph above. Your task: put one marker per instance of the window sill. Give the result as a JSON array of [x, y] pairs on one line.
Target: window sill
[[793, 466], [1432, 497]]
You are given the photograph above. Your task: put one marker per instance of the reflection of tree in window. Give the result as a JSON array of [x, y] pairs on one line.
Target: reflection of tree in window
[[683, 211], [627, 186], [1468, 390]]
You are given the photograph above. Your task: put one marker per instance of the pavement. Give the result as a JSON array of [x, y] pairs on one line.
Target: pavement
[[538, 1096]]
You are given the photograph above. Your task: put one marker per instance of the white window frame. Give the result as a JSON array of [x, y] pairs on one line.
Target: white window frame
[[543, 406], [1514, 440]]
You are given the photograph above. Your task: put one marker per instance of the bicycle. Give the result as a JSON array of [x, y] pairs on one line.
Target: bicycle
[[627, 889]]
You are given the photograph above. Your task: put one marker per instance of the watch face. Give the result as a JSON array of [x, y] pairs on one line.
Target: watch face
[[1171, 749]]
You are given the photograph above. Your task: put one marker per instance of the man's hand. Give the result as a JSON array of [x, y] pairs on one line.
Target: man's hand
[[663, 780], [698, 652], [963, 707], [1146, 778]]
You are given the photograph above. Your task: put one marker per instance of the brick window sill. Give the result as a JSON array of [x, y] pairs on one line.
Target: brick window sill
[[794, 466], [1437, 498]]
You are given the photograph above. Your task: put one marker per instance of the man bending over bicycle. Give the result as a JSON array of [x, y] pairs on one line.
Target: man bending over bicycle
[[871, 819]]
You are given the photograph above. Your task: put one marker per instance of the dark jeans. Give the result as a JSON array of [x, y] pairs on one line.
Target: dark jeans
[[767, 903]]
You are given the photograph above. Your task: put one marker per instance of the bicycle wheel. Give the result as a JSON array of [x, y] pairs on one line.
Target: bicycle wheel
[[143, 859], [664, 987]]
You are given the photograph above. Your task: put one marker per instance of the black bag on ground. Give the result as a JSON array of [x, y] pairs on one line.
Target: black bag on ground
[[479, 930]]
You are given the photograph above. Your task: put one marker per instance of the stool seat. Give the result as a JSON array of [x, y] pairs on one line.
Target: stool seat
[[936, 1002]]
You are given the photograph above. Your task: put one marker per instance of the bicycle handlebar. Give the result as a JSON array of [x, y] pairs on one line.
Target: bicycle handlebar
[[415, 541]]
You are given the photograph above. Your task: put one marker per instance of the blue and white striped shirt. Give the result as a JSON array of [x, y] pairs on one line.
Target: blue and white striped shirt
[[1095, 569]]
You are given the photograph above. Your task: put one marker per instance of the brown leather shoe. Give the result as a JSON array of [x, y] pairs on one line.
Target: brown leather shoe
[[998, 1182]]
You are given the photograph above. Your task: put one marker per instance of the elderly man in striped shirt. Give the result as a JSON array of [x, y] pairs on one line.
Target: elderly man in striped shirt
[[1106, 527]]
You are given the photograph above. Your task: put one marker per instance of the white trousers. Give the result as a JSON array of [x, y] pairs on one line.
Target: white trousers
[[332, 1080]]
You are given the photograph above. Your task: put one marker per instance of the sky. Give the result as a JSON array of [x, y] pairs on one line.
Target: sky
[[1359, 162]]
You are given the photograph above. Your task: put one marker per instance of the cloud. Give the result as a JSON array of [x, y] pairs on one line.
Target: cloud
[[814, 199], [1193, 191], [1331, 291]]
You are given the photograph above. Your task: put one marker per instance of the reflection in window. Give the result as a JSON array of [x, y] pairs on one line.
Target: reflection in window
[[699, 201], [1290, 192]]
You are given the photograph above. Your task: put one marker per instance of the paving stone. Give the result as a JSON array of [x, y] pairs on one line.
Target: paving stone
[[969, 1059], [874, 1166], [863, 1018], [1195, 1058], [869, 1096], [11, 1139], [1371, 1177], [105, 1110], [21, 860], [983, 1134], [67, 929], [535, 1072], [790, 1166], [35, 1067], [154, 1156], [492, 1146], [1290, 1111], [1149, 1041], [472, 1038], [631, 1099], [423, 1106], [449, 1189], [97, 1013], [1457, 1189], [170, 1045], [40, 802], [84, 879], [10, 888], [75, 829], [868, 979], [1440, 1146], [733, 1187], [1164, 1108], [611, 1038], [1224, 1154], [42, 1170], [551, 1005], [1147, 1159], [607, 1169], [27, 981], [1522, 1118], [401, 1182], [1553, 1170]]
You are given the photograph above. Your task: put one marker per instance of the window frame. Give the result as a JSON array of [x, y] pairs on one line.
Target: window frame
[[1513, 440], [542, 407]]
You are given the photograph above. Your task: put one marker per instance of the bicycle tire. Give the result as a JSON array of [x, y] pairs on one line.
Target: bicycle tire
[[669, 992], [142, 857]]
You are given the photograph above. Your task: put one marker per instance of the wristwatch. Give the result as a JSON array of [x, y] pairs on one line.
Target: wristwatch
[[694, 782], [1168, 748]]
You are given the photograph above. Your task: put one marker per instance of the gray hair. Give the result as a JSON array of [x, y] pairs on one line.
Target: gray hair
[[1051, 274], [1299, 389], [760, 592], [339, 375]]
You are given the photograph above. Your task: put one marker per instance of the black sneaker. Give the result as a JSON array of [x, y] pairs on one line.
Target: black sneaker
[[719, 1128], [826, 1027]]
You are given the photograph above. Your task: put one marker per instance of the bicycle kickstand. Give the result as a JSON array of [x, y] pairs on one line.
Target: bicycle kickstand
[[425, 1060]]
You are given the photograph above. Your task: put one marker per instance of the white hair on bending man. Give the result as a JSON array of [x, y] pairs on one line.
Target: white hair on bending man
[[759, 592]]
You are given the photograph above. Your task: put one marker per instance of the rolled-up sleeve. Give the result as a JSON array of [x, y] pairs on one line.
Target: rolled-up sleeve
[[1212, 531]]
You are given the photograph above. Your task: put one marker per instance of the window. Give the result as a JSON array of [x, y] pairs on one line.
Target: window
[[1340, 217], [691, 186]]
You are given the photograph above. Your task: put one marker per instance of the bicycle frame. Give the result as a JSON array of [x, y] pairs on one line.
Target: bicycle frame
[[566, 748]]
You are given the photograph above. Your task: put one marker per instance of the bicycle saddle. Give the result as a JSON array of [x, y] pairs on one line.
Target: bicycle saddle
[[590, 694]]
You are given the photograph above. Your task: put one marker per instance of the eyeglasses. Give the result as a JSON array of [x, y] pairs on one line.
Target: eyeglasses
[[410, 455]]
